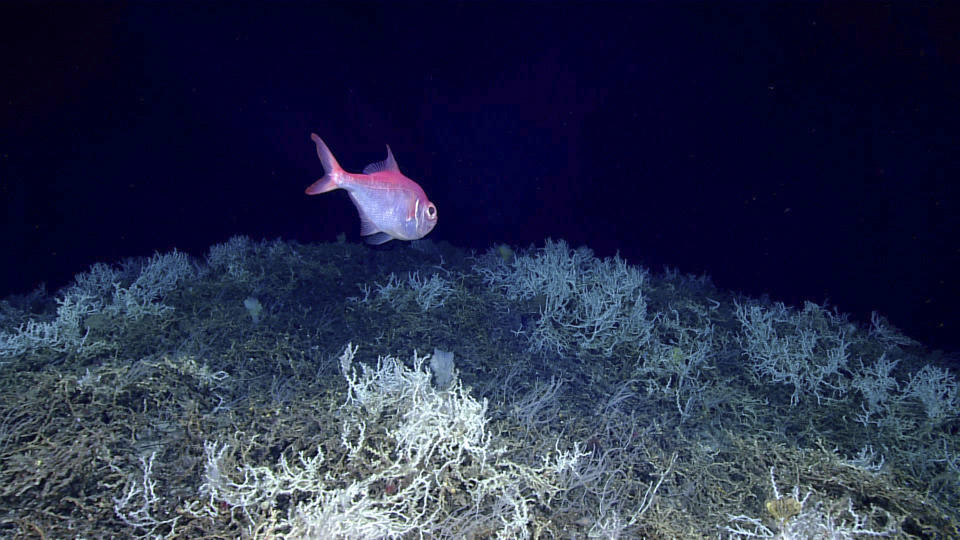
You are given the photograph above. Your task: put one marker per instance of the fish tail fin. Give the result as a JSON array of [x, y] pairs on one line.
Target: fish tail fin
[[330, 166]]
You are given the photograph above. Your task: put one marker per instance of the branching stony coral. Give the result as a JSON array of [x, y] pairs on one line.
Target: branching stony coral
[[806, 349], [101, 290], [586, 304], [800, 518], [421, 460]]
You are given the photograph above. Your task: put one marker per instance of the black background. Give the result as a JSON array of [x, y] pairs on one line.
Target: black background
[[806, 151]]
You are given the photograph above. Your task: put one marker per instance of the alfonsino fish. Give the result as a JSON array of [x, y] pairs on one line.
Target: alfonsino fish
[[390, 204]]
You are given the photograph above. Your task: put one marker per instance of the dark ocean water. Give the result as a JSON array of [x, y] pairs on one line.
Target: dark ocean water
[[803, 151]]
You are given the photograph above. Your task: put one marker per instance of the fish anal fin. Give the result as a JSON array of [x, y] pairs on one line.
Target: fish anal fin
[[378, 238]]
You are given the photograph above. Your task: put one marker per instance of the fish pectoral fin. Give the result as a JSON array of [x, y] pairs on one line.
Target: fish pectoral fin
[[378, 238], [367, 226], [373, 235]]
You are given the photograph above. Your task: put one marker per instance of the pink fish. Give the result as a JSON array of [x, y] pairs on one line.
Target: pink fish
[[390, 204]]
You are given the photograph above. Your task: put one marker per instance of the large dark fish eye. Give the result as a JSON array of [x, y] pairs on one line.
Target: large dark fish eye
[[431, 211]]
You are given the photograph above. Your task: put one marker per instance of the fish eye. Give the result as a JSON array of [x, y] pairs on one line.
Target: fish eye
[[431, 211]]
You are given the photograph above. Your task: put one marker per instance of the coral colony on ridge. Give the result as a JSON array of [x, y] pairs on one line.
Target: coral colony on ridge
[[280, 390]]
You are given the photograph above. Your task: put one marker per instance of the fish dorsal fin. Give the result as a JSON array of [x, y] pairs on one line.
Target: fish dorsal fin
[[388, 164]]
